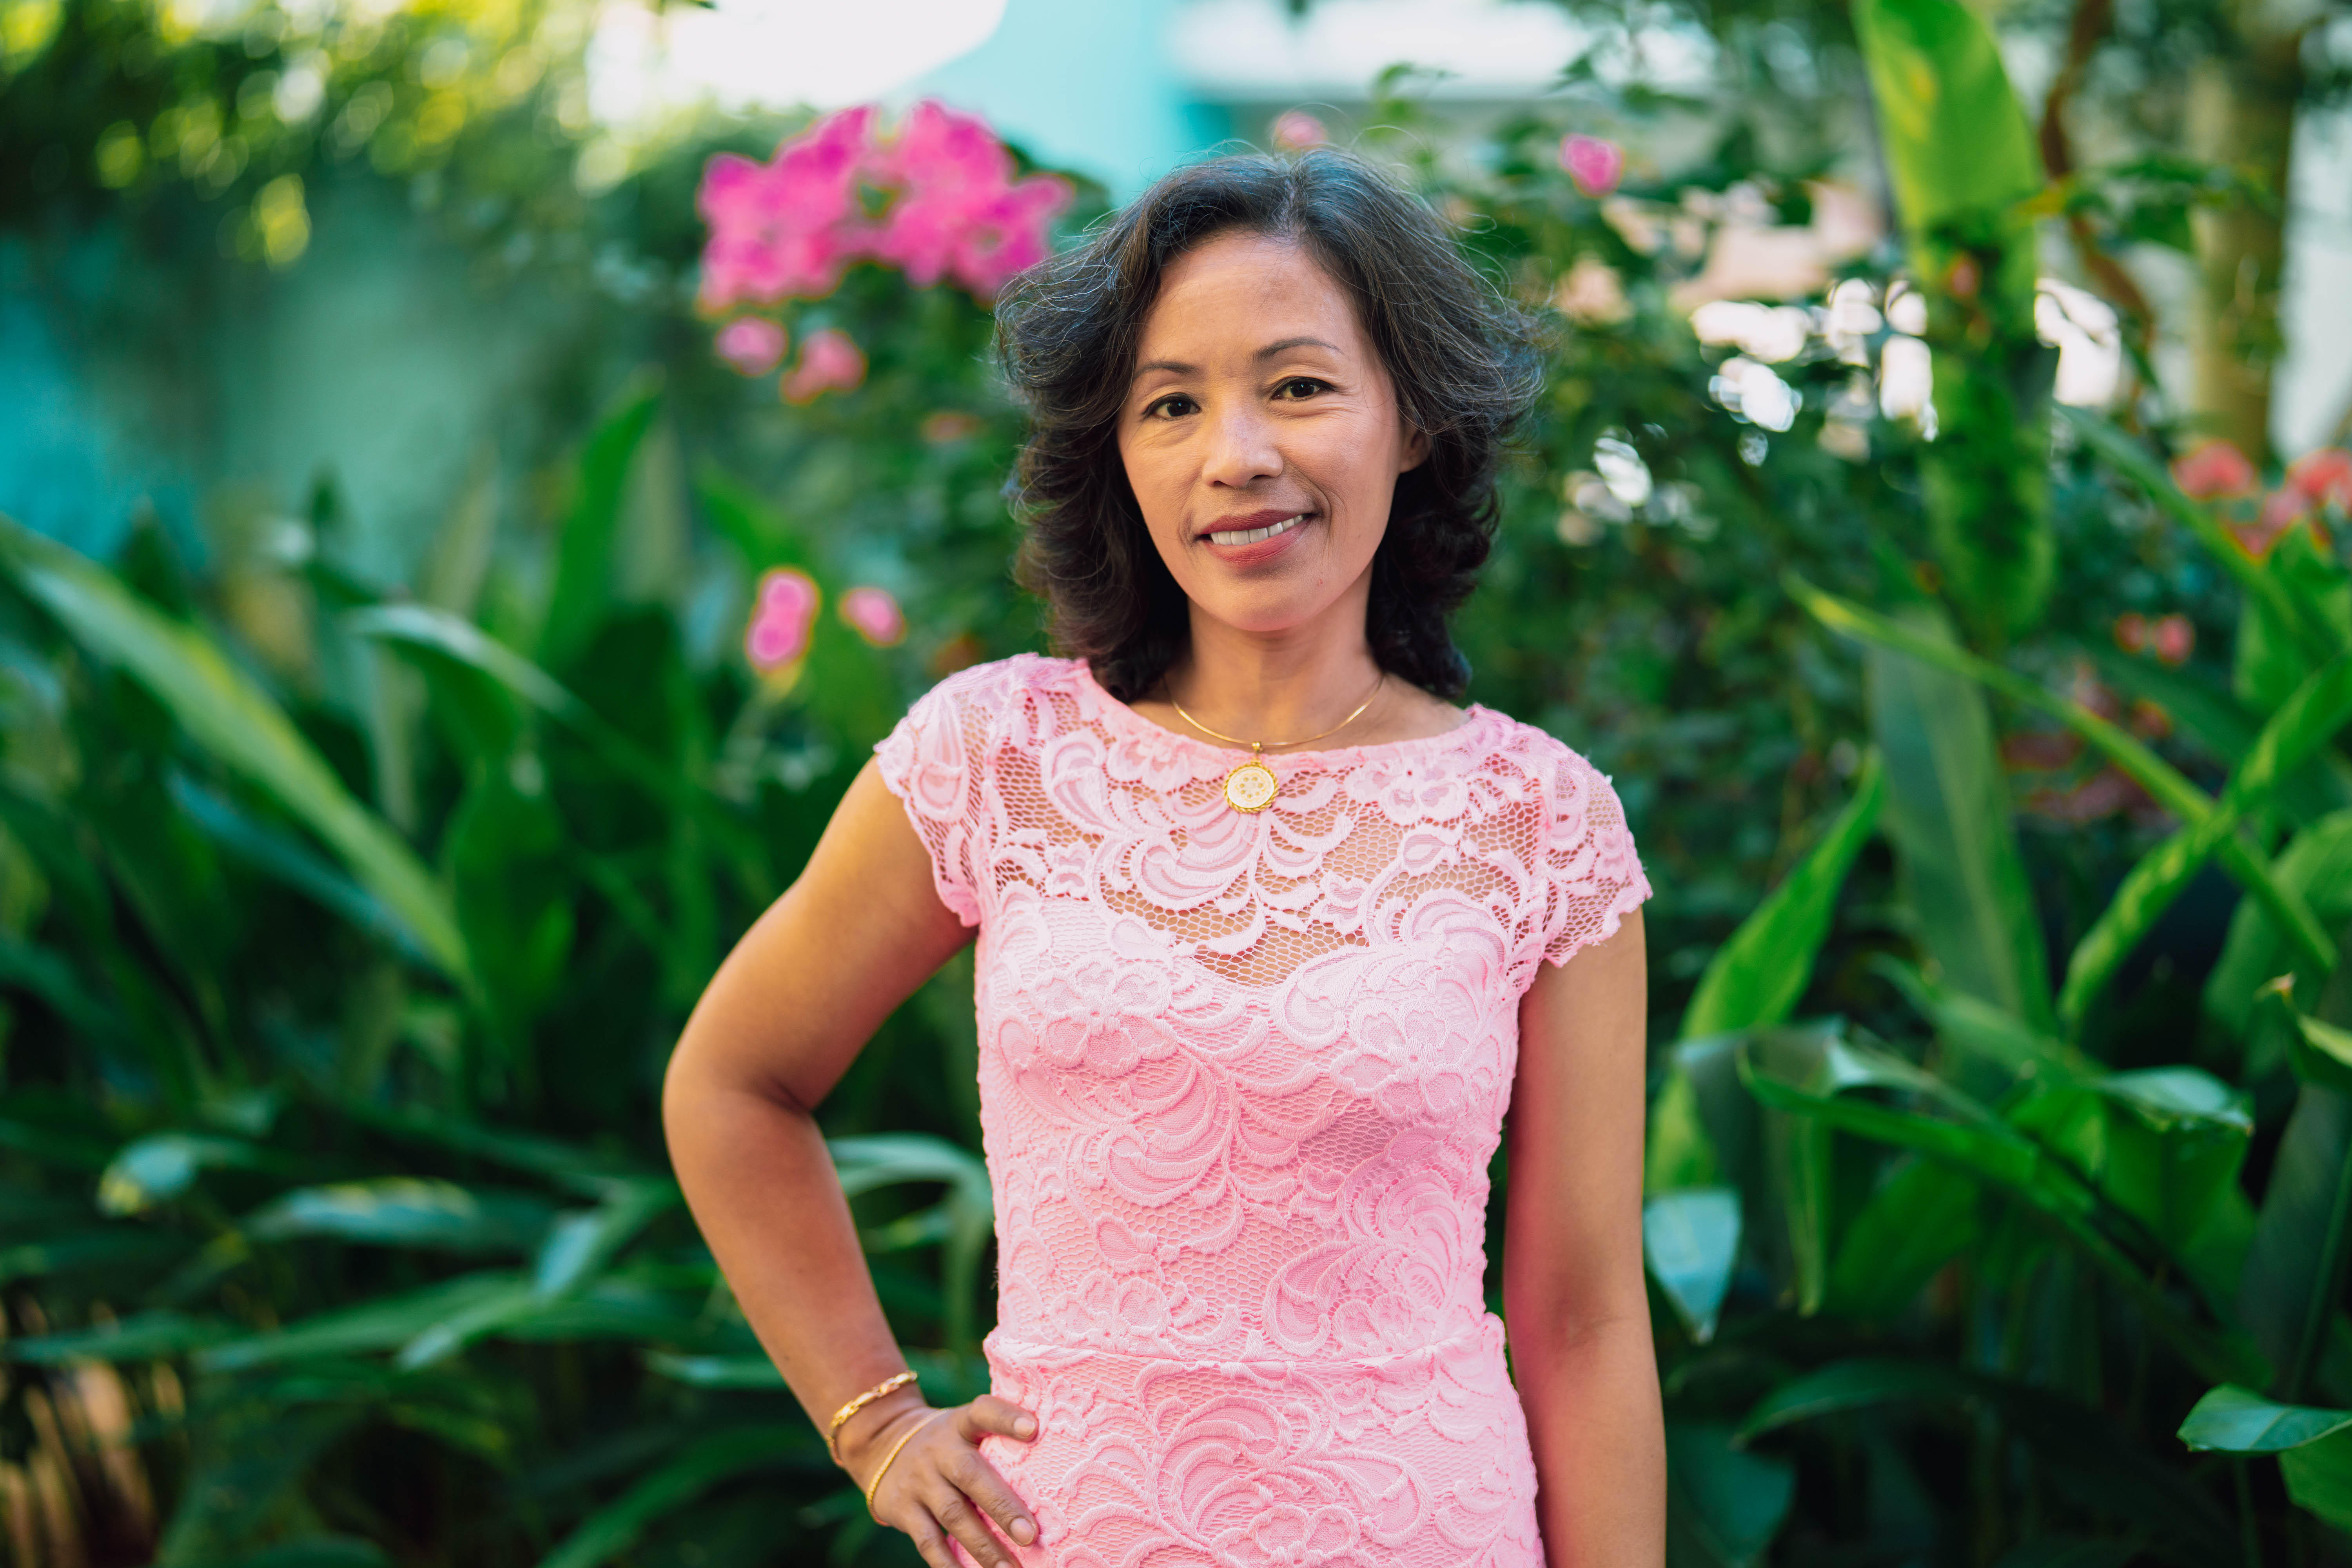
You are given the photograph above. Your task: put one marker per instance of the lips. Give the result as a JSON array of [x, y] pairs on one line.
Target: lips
[[1254, 540], [1230, 536]]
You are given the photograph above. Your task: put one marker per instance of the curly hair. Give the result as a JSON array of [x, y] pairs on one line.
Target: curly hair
[[1461, 358]]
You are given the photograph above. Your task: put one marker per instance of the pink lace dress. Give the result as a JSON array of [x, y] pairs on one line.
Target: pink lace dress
[[1240, 1080]]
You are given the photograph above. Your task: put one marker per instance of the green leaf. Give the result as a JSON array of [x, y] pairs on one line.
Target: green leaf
[[2303, 724], [1724, 1503], [1815, 1077], [2319, 1478], [2071, 1552], [163, 1166], [379, 1323], [142, 1336], [407, 1211], [2239, 1421], [709, 1461], [1955, 139], [585, 553], [717, 1371], [2144, 767], [2075, 1448], [120, 1246], [226, 712], [1691, 1241], [1759, 975], [1919, 1219], [1947, 813], [2269, 660], [584, 1241], [2293, 1273], [2317, 867], [288, 860]]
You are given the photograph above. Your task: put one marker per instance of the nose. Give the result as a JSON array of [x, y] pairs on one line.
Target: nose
[[1241, 446]]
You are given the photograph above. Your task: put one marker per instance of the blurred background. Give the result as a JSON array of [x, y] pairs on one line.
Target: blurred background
[[476, 479]]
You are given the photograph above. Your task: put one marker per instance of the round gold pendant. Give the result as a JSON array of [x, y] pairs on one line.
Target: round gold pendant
[[1251, 787]]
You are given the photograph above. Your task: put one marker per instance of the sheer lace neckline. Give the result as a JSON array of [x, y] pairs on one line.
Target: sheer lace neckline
[[1477, 718]]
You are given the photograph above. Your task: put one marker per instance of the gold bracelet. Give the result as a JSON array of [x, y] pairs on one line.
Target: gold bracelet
[[872, 1486], [833, 1432]]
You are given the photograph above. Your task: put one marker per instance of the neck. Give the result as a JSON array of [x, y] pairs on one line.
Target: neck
[[1273, 685]]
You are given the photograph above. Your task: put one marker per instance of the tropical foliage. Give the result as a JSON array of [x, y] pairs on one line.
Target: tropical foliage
[[1991, 766]]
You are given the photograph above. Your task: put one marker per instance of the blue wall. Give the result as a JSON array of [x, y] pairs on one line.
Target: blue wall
[[1083, 85]]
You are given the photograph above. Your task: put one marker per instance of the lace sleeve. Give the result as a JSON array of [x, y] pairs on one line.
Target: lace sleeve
[[931, 761], [1591, 875]]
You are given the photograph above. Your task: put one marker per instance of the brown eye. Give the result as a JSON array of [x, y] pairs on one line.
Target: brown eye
[[1174, 406], [1299, 386]]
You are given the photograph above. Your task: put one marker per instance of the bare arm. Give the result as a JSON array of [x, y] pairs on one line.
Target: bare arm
[[780, 1022], [1574, 1295]]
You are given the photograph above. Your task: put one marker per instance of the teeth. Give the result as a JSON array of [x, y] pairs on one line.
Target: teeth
[[1252, 535]]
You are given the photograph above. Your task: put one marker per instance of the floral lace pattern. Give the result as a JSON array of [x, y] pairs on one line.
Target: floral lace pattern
[[1241, 1077]]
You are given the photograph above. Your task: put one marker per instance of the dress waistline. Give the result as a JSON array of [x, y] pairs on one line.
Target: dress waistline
[[1485, 1334]]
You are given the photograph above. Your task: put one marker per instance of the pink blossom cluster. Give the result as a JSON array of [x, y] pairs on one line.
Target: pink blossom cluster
[[2314, 484], [949, 207], [783, 610]]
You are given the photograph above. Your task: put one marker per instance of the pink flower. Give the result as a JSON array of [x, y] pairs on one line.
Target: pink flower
[[782, 612], [875, 615], [787, 227], [961, 211], [752, 345], [2213, 470], [1595, 164], [1296, 131], [829, 360], [2173, 639], [2323, 475]]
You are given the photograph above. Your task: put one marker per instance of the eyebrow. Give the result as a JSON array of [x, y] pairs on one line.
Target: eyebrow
[[1282, 345]]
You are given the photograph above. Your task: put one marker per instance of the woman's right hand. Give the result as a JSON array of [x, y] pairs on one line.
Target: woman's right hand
[[939, 1486]]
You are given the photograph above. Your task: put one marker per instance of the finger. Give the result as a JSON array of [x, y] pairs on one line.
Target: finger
[[978, 1480], [960, 1519], [989, 1414], [930, 1543]]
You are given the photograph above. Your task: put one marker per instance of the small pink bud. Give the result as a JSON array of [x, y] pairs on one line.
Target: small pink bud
[[830, 360], [2131, 631], [1294, 130], [2173, 638], [1595, 163], [752, 345], [782, 612], [875, 615]]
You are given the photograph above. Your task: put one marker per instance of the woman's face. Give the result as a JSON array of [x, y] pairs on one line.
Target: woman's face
[[1262, 437]]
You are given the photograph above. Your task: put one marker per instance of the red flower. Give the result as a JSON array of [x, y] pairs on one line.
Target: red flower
[[2213, 471]]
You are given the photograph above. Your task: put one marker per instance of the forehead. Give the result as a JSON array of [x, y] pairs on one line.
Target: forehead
[[1254, 287]]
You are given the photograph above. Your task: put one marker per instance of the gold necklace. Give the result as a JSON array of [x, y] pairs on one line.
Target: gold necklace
[[1251, 787]]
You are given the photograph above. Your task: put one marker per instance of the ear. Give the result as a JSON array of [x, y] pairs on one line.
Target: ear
[[1415, 451]]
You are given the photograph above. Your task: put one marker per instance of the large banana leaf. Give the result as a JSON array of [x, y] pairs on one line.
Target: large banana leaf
[[586, 553], [226, 712], [1690, 1240], [2074, 1447], [1759, 975], [1949, 815], [1963, 166], [2144, 768], [1817, 1076], [1724, 1502], [2302, 725]]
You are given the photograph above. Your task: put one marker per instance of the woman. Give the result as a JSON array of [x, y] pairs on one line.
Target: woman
[[1270, 934]]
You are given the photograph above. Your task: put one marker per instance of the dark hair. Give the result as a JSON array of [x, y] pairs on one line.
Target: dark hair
[[1460, 357]]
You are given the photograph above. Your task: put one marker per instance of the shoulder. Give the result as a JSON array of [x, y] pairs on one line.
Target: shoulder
[[1578, 796], [996, 684]]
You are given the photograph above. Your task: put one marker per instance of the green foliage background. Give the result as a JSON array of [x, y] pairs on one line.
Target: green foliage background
[[2000, 1165]]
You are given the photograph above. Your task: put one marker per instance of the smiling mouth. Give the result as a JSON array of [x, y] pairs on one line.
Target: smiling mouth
[[1252, 535]]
